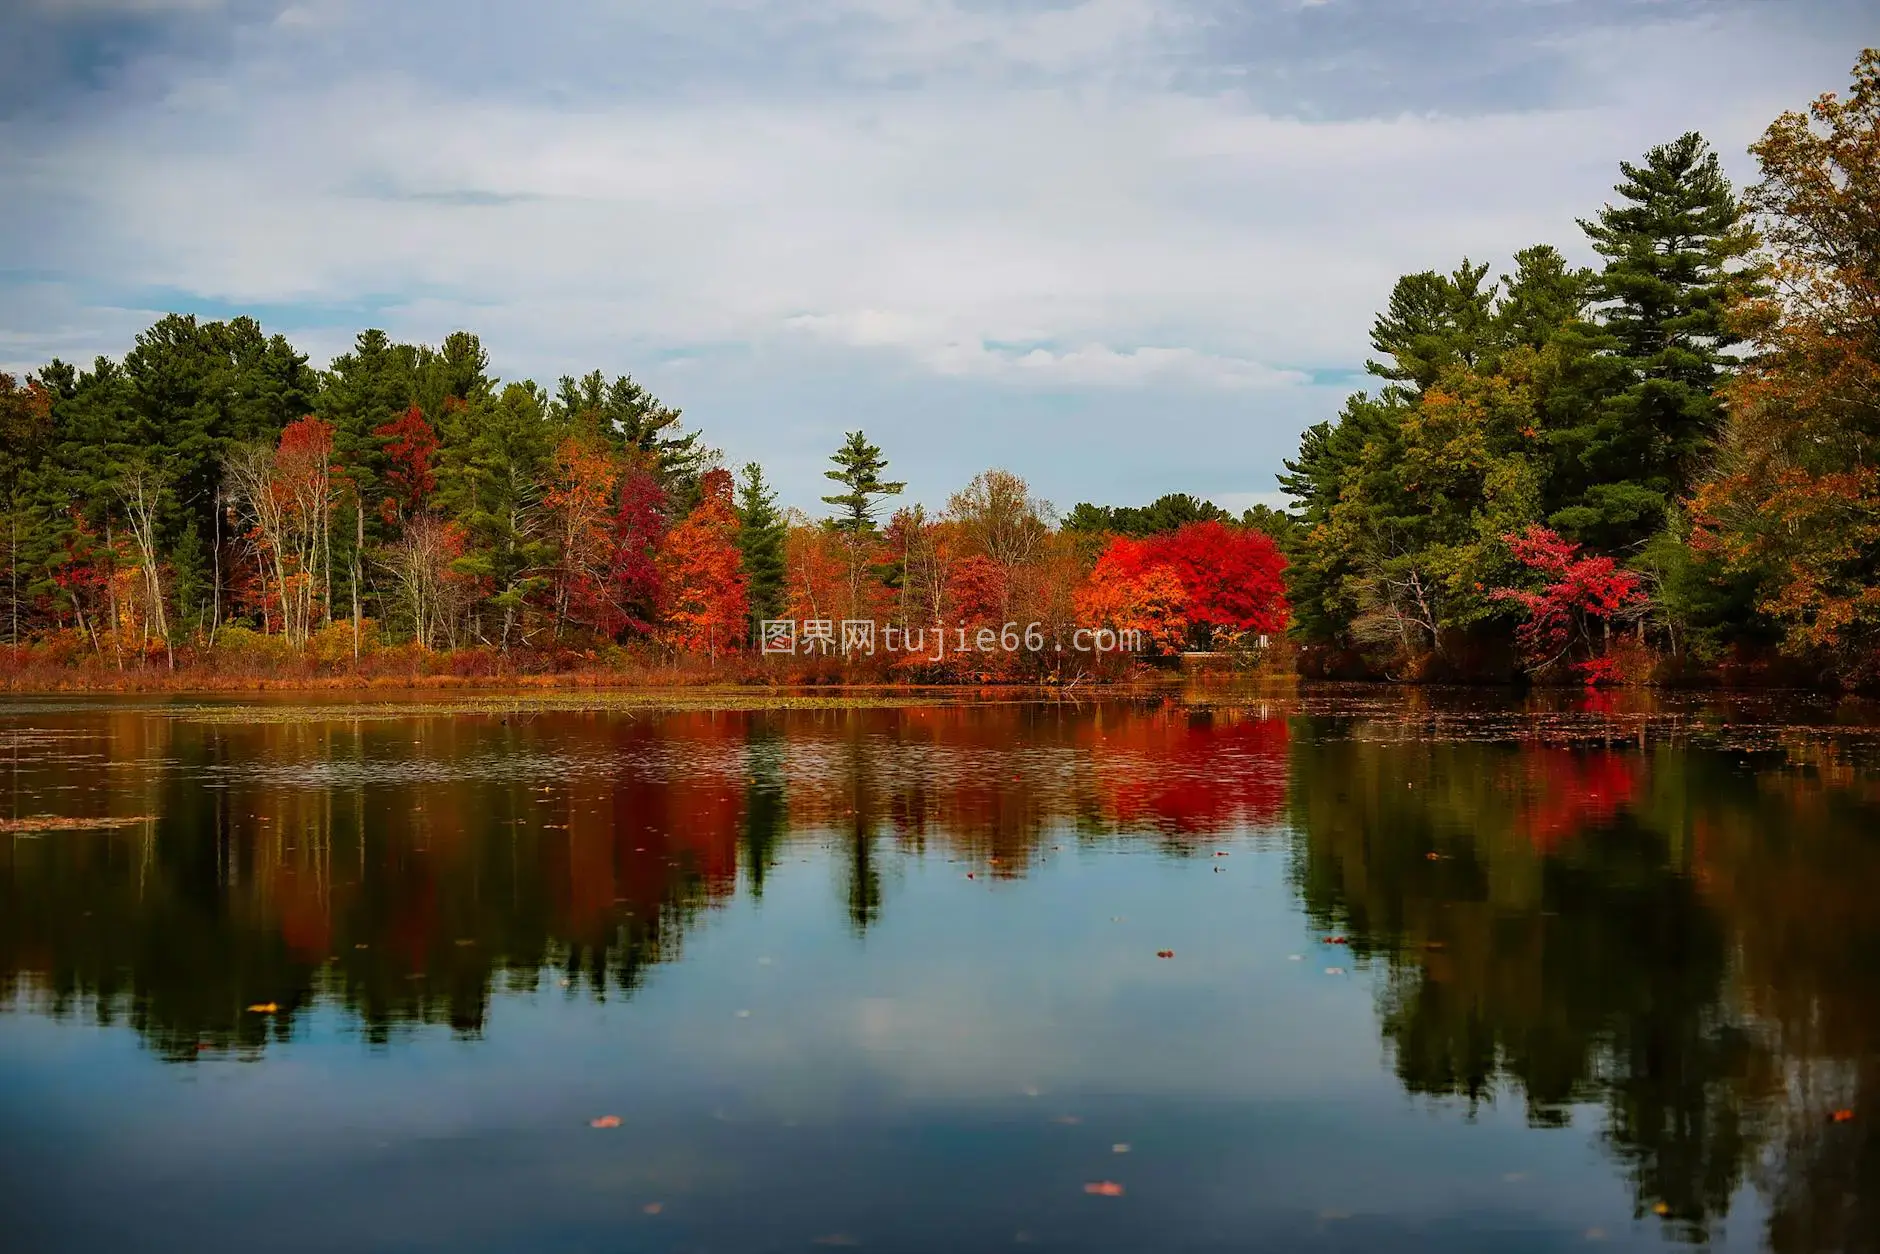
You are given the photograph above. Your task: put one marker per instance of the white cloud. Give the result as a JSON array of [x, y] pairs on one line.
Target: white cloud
[[1018, 203]]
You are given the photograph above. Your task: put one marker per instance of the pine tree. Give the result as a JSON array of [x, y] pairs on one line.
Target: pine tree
[[761, 532], [632, 419], [1434, 321], [858, 468], [1673, 249]]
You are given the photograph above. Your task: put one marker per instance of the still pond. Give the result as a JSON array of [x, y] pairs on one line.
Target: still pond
[[1323, 970]]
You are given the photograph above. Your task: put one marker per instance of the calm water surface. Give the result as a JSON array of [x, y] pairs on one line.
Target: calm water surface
[[1449, 973]]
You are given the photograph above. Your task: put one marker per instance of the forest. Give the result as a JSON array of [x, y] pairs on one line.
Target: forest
[[1659, 469]]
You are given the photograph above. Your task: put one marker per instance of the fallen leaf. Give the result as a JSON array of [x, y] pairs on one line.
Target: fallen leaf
[[605, 1121], [1842, 1116], [1104, 1188], [265, 1008], [1165, 953], [1433, 856], [1659, 1208], [1220, 853], [969, 875], [1336, 940]]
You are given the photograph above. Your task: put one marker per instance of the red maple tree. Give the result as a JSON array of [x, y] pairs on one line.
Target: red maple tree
[[410, 442], [1234, 576], [1573, 611]]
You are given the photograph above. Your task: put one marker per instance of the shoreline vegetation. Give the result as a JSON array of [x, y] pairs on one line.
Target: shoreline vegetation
[[1661, 471]]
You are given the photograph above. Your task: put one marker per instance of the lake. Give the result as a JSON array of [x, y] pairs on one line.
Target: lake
[[1328, 969]]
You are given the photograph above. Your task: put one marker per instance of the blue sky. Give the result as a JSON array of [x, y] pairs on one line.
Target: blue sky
[[1121, 247]]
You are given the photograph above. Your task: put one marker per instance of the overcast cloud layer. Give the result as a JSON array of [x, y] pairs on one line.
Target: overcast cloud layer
[[1122, 247]]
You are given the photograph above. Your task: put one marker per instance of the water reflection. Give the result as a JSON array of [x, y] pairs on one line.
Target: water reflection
[[1655, 920]]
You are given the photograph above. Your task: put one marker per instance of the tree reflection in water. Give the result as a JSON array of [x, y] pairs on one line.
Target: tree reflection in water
[[1603, 911]]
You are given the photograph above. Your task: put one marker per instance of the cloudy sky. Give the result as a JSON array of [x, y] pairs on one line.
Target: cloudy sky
[[1122, 247]]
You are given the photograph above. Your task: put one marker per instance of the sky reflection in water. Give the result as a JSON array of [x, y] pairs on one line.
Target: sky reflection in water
[[1603, 974]]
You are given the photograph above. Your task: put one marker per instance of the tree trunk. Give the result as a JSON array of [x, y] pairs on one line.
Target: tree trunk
[[215, 592], [110, 548]]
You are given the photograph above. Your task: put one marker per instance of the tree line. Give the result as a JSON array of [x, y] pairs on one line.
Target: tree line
[[212, 495], [1660, 467]]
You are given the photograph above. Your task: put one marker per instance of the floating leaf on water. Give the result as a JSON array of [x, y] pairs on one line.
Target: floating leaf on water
[[1336, 940], [1121, 1147], [1104, 1188], [1842, 1116], [263, 1008], [653, 1208], [1165, 953], [1660, 1208], [605, 1121]]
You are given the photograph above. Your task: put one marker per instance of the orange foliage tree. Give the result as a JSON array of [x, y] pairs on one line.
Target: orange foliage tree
[[579, 502], [702, 589], [1797, 497], [1129, 591]]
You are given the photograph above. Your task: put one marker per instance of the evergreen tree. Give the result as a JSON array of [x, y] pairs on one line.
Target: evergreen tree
[[858, 468], [630, 418], [496, 466], [1434, 321], [1673, 249], [1542, 298], [761, 532]]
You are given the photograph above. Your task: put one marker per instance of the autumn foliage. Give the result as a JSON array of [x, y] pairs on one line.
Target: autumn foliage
[[1203, 582], [701, 582], [1579, 598]]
